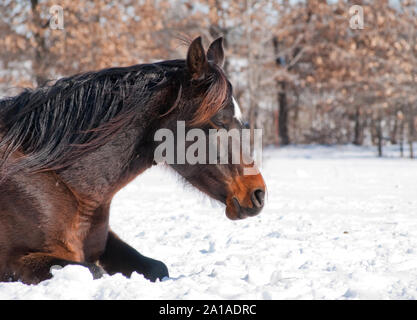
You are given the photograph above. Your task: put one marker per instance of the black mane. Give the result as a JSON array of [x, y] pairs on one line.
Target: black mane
[[54, 125]]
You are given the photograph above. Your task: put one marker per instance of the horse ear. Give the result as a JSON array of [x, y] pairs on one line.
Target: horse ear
[[196, 59], [215, 52]]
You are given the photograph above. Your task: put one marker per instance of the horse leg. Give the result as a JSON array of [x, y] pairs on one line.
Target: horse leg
[[36, 267], [120, 257]]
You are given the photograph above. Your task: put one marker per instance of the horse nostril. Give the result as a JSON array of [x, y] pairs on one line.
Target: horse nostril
[[258, 198]]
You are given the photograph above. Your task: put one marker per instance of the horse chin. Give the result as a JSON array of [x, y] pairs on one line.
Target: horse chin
[[232, 215], [233, 210]]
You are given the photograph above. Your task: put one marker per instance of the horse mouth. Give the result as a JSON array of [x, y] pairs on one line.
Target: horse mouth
[[234, 211]]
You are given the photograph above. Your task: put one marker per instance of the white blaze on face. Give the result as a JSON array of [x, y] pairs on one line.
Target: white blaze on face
[[238, 113]]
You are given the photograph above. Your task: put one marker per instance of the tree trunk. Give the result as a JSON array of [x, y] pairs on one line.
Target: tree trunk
[[283, 114], [411, 150], [358, 139], [402, 138], [282, 100], [394, 131], [250, 89], [252, 124], [411, 130], [39, 63], [379, 135], [276, 127]]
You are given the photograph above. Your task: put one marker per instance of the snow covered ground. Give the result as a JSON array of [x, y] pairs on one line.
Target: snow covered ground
[[339, 223]]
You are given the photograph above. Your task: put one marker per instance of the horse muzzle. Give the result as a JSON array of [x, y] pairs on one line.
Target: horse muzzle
[[235, 210]]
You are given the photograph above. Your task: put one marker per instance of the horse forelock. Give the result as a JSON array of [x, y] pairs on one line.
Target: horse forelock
[[215, 97]]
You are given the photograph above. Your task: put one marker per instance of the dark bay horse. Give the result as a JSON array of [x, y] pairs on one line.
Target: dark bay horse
[[67, 148]]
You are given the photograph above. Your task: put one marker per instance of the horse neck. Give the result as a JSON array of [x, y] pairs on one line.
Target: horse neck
[[97, 176]]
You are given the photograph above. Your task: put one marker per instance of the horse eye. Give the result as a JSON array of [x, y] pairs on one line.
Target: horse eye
[[220, 124], [218, 121]]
